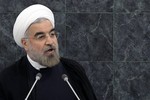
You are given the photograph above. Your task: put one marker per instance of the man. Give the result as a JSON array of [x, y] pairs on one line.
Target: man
[[34, 30]]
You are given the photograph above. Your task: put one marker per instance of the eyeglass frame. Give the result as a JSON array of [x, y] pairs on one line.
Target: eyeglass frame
[[52, 34]]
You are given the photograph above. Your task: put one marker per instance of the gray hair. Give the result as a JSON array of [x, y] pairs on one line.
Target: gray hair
[[38, 20]]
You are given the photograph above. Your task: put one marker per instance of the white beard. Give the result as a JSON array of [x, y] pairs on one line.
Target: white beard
[[48, 61]]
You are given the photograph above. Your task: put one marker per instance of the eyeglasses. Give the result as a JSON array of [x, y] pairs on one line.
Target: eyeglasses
[[40, 36]]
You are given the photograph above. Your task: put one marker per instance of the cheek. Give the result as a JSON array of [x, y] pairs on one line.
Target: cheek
[[56, 42], [37, 47]]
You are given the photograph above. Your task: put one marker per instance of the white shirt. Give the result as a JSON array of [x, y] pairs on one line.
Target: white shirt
[[35, 64]]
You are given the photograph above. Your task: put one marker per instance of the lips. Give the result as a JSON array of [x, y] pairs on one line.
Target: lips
[[49, 51]]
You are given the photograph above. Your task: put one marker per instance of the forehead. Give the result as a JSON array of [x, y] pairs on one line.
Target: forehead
[[42, 26]]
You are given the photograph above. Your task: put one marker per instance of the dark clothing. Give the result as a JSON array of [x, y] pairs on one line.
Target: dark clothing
[[51, 82], [16, 81]]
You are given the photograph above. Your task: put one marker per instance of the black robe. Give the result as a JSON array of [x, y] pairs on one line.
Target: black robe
[[14, 83]]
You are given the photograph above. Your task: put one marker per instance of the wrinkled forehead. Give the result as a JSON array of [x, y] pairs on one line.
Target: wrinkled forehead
[[40, 26]]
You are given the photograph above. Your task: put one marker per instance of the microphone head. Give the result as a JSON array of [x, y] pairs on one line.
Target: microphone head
[[65, 77], [38, 76]]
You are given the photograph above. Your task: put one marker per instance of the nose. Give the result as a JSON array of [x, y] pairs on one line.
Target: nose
[[49, 40]]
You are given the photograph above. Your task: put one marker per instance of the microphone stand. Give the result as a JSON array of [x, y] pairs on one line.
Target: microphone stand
[[38, 77], [65, 78]]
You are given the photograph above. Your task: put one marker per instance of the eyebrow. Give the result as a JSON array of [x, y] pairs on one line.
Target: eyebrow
[[40, 33], [52, 30]]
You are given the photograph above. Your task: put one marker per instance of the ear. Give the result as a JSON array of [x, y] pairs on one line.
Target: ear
[[24, 43]]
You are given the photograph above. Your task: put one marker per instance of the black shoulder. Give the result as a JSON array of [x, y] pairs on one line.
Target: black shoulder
[[72, 63], [12, 69]]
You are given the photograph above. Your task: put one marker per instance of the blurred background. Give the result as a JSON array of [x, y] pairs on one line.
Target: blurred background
[[110, 38]]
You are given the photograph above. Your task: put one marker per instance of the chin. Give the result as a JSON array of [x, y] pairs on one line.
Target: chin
[[50, 60]]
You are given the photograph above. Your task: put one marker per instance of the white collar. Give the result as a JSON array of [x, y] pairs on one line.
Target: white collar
[[35, 64]]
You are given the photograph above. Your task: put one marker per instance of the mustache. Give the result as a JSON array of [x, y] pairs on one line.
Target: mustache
[[50, 47]]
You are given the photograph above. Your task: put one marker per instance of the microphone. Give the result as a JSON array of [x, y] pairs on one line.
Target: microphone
[[37, 78], [65, 78]]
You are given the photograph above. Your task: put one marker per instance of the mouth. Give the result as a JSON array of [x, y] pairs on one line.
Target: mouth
[[50, 51]]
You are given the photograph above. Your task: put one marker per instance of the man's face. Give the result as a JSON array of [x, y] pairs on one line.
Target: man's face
[[41, 44]]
